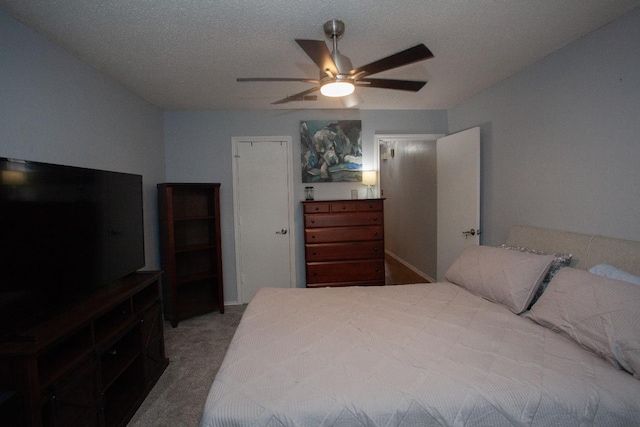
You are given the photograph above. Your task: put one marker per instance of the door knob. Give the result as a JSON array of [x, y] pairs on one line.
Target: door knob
[[471, 232], [283, 231]]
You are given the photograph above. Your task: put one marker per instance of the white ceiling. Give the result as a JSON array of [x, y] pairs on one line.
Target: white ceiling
[[186, 54]]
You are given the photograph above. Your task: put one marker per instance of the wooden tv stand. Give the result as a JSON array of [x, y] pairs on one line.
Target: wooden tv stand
[[91, 365]]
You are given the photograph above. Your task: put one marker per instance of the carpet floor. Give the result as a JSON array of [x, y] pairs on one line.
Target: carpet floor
[[196, 349]]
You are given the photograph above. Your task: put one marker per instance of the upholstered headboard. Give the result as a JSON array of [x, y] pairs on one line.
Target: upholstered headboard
[[587, 250]]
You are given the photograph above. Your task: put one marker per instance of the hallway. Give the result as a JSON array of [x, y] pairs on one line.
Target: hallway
[[398, 274]]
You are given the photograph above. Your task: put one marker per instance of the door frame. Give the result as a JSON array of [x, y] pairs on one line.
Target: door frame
[[291, 209]]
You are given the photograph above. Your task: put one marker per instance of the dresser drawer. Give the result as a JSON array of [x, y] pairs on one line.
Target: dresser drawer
[[341, 234], [347, 271], [345, 251], [344, 206], [369, 205], [317, 207], [344, 220]]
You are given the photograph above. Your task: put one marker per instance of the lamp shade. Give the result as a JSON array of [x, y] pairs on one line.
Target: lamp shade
[[369, 178]]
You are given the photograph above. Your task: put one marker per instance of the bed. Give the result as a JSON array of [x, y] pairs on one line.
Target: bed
[[469, 351]]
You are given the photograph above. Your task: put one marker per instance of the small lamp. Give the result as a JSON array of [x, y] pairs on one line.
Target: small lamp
[[369, 178]]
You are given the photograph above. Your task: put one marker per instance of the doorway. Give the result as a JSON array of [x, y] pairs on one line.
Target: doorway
[[417, 192], [407, 165], [263, 214]]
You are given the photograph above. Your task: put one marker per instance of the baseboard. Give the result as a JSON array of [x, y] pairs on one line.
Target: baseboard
[[409, 266]]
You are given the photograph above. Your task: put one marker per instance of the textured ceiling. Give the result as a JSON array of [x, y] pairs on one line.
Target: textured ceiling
[[186, 54]]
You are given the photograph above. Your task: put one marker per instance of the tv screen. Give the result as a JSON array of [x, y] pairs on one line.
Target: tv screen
[[64, 231]]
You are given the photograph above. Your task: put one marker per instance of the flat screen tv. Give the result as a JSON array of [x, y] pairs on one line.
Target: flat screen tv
[[64, 232]]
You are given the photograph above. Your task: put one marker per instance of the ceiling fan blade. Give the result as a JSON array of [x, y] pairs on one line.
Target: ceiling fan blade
[[276, 79], [410, 85], [319, 53], [300, 96], [413, 54]]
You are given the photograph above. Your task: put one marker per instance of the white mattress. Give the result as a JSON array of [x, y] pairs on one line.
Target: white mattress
[[414, 355]]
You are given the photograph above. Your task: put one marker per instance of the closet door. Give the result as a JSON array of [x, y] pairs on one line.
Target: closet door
[[263, 208]]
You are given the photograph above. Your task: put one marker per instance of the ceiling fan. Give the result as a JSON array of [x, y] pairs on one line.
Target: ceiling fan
[[338, 78]]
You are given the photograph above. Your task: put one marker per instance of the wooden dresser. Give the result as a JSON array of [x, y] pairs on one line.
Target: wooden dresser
[[344, 242]]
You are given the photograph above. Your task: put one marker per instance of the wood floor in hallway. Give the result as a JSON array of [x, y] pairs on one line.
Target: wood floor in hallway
[[397, 273]]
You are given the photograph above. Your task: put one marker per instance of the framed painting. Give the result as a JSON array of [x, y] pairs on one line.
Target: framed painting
[[331, 150]]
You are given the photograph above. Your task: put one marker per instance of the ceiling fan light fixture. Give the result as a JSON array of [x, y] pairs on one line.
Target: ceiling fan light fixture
[[337, 89], [338, 78]]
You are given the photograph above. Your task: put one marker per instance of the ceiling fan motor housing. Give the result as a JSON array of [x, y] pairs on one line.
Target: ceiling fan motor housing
[[334, 29], [343, 64]]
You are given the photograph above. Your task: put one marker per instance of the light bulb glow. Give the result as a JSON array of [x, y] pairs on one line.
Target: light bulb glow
[[337, 89], [369, 177]]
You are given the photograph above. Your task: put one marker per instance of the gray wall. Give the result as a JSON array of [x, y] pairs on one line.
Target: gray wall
[[561, 139], [56, 109], [198, 148], [409, 182]]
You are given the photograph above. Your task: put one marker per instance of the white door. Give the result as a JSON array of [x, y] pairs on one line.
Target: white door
[[458, 164], [263, 210]]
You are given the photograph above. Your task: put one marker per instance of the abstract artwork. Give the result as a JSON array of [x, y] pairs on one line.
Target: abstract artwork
[[331, 150]]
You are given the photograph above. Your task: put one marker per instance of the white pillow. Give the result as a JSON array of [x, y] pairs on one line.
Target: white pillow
[[560, 260], [598, 313], [611, 272], [507, 277]]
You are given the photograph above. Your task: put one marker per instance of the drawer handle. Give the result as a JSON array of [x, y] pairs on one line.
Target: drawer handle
[[313, 252], [313, 221], [375, 219], [375, 233], [317, 208], [344, 207], [374, 250], [315, 273], [313, 236]]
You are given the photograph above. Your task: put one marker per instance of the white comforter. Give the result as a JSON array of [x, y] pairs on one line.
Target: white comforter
[[415, 355]]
